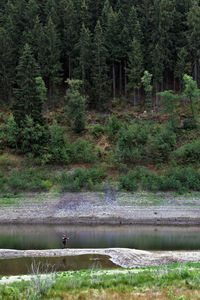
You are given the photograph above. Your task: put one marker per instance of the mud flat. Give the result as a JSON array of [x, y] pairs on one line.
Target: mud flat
[[127, 258], [97, 208]]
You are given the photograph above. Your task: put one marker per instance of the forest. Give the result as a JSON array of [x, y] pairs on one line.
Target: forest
[[110, 86]]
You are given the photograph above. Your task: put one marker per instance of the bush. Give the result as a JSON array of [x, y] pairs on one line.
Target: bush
[[76, 105], [33, 137], [27, 180], [58, 147], [182, 179], [80, 179], [12, 132], [2, 138], [98, 130], [131, 143], [161, 145], [112, 128], [129, 182], [151, 182], [189, 153], [82, 152]]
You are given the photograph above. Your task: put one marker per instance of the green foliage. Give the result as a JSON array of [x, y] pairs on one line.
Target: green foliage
[[187, 154], [98, 130], [80, 179], [131, 142], [191, 93], [26, 180], [170, 103], [33, 137], [146, 81], [76, 105], [112, 128], [129, 182], [12, 132], [161, 144], [82, 152], [58, 147]]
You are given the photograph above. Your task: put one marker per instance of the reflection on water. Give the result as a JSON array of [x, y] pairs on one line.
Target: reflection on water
[[126, 236], [28, 265]]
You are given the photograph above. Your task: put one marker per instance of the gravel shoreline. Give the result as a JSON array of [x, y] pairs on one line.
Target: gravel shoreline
[[95, 208], [127, 258]]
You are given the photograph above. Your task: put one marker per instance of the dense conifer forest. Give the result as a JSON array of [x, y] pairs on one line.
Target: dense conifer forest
[[110, 86], [106, 44]]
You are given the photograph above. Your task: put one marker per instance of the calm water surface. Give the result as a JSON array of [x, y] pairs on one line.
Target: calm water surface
[[127, 236], [26, 237]]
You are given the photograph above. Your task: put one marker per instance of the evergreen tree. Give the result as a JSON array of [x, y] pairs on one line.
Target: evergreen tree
[[85, 47], [49, 57], [191, 93], [100, 81], [193, 37], [146, 81], [135, 67], [76, 105], [29, 95]]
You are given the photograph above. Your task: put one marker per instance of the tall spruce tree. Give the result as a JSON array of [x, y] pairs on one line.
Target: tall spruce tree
[[193, 37], [29, 95], [100, 80], [135, 68], [84, 60]]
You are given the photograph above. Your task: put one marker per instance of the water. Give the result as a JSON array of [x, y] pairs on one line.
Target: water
[[28, 265], [24, 237]]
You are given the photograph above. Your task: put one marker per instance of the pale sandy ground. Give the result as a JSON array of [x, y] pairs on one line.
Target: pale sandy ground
[[96, 208], [128, 258]]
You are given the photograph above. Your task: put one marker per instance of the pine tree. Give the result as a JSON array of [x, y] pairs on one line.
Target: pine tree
[[135, 67], [85, 47], [146, 81], [29, 95], [49, 57], [76, 104], [69, 35], [100, 81], [193, 37]]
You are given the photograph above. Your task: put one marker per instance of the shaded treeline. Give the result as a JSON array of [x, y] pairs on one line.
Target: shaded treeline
[[106, 44]]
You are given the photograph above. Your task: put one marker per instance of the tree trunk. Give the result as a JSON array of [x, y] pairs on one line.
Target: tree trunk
[[174, 83], [134, 98], [157, 97], [69, 67], [196, 70], [120, 78], [114, 81], [125, 79]]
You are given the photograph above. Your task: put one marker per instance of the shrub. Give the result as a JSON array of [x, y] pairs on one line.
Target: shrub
[[76, 105], [189, 153], [98, 130], [27, 180], [113, 126], [129, 182], [82, 152], [32, 137], [182, 179], [131, 143], [2, 138], [161, 145], [81, 179], [151, 182], [12, 132], [58, 147]]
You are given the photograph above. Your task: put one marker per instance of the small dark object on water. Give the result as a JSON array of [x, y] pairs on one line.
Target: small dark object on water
[[64, 240]]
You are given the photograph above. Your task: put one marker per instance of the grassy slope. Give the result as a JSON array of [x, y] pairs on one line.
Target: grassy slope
[[169, 282]]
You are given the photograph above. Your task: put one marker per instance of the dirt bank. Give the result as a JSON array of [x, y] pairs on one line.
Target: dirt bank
[[121, 256], [99, 208]]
